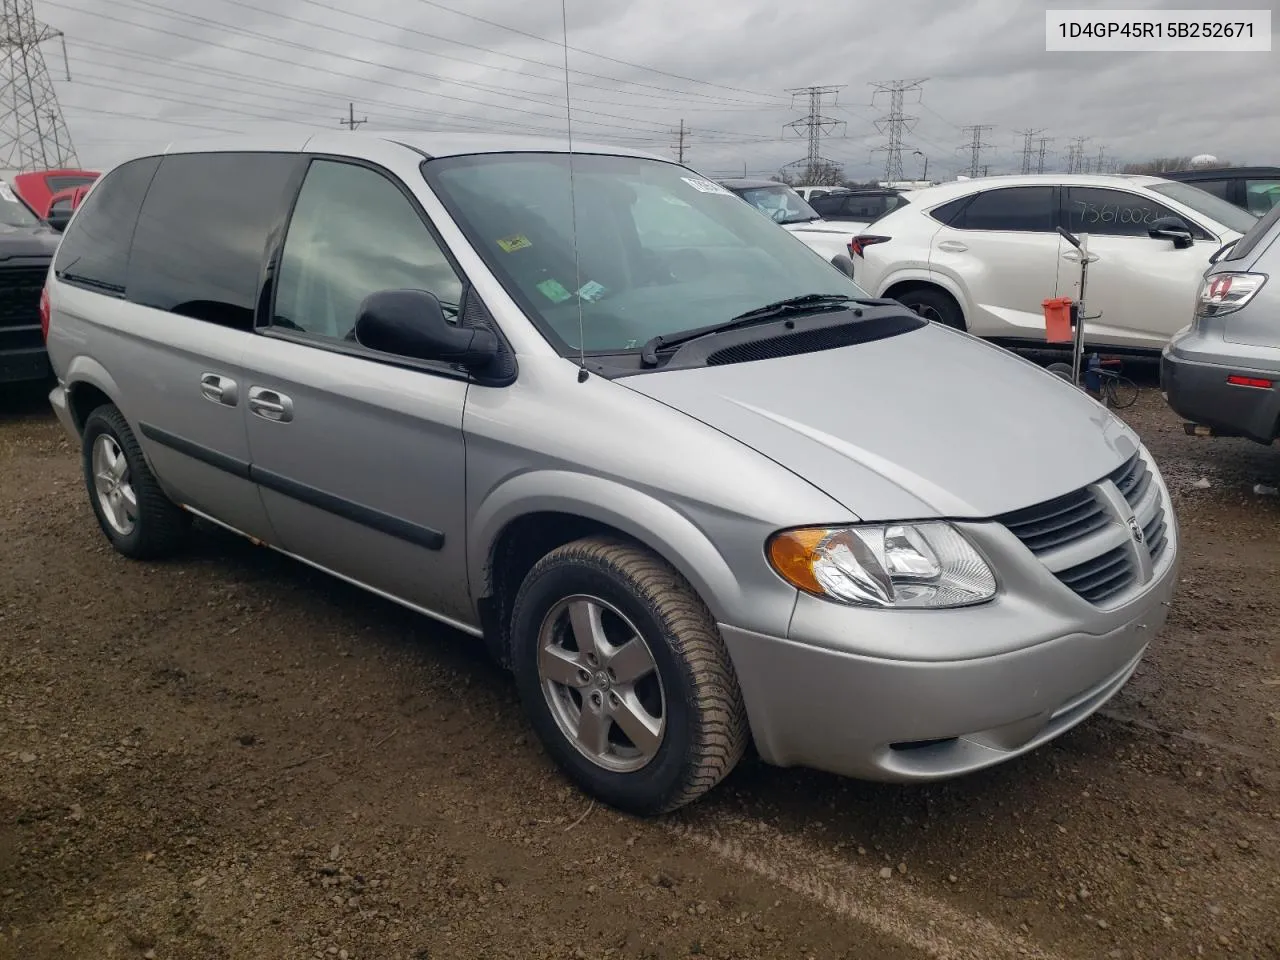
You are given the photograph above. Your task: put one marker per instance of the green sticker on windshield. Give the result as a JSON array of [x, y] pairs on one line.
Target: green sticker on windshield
[[554, 291]]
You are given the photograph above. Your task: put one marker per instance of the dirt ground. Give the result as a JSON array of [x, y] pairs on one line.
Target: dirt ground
[[231, 756]]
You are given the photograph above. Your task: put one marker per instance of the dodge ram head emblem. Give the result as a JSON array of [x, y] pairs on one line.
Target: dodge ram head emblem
[[1135, 530]]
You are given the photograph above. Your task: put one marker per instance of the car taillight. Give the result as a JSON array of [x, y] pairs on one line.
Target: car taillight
[[862, 241], [1227, 292], [44, 314]]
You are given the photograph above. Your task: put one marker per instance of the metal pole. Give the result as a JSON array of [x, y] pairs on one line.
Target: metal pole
[[1077, 344]]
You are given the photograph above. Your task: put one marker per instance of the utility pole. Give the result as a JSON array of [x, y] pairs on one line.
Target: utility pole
[[1027, 137], [895, 123], [813, 126], [976, 145], [350, 121], [680, 142], [33, 133], [1044, 141]]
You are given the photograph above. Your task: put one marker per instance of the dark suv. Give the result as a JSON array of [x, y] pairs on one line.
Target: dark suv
[[1256, 189], [27, 245]]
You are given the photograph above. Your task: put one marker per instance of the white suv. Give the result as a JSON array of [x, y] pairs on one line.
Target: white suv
[[982, 255]]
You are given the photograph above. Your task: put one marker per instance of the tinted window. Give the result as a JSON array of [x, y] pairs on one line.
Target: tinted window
[[354, 233], [1260, 196], [95, 249], [1113, 213], [1022, 209], [1219, 188], [949, 211], [202, 235]]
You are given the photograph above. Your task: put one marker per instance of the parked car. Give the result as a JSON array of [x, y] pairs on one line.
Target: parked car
[[1222, 371], [1256, 189], [26, 249], [37, 188], [859, 207], [630, 456], [784, 206], [809, 193], [982, 255], [63, 204]]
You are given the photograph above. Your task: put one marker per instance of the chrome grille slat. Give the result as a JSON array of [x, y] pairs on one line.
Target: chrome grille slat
[[1087, 548]]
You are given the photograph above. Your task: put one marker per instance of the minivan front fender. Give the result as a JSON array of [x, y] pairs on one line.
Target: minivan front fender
[[648, 520]]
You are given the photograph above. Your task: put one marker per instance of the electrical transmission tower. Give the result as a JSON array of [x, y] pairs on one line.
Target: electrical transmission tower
[[894, 123], [1075, 155], [814, 126], [680, 135], [1027, 149], [1044, 142], [976, 145], [33, 135]]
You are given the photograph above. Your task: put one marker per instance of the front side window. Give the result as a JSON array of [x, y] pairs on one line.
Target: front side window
[[353, 233], [1016, 209], [658, 249], [1113, 213], [94, 252], [203, 233]]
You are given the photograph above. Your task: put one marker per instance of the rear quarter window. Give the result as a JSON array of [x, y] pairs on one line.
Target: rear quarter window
[[94, 252]]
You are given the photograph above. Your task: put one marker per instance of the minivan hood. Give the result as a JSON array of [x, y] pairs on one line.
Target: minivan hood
[[930, 423]]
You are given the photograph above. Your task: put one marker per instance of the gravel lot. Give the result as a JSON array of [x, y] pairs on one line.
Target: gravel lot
[[230, 756]]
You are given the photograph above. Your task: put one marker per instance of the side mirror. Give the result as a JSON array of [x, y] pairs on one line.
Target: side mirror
[[843, 264], [58, 219], [1174, 229], [411, 323]]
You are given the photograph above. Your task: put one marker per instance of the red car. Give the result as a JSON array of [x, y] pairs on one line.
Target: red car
[[38, 188], [64, 203]]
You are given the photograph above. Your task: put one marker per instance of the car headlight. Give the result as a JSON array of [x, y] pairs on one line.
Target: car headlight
[[884, 565]]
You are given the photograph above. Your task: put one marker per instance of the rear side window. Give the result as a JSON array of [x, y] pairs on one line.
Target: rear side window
[[950, 210], [94, 251], [1219, 188], [1018, 209], [202, 236]]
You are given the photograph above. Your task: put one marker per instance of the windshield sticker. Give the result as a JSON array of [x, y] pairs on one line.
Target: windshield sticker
[[706, 186], [554, 291], [7, 193], [514, 243], [591, 291]]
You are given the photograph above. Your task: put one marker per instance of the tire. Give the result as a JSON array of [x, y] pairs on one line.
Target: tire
[[154, 527], [933, 304], [690, 689], [1061, 369]]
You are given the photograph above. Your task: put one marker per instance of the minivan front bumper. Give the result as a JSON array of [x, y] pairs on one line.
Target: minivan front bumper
[[869, 716]]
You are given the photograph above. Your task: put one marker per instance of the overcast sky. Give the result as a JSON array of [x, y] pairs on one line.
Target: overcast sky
[[144, 72]]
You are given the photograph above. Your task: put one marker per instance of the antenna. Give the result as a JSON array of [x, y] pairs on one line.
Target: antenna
[[573, 200]]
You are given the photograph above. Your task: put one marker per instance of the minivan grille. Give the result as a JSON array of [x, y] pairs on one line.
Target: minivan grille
[[20, 306], [1080, 517]]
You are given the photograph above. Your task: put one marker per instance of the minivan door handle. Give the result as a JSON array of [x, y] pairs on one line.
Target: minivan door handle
[[953, 246], [219, 389], [270, 405]]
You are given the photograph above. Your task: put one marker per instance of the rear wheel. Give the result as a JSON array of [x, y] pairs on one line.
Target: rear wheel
[[136, 516], [625, 676], [933, 304]]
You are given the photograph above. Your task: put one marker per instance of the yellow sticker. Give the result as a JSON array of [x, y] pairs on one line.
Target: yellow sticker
[[512, 244]]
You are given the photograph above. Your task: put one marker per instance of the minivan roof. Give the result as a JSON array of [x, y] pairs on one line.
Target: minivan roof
[[431, 144]]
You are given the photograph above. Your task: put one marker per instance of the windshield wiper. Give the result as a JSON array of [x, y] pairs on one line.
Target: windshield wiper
[[808, 303]]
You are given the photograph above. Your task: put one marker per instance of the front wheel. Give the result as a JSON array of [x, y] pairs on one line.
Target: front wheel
[[625, 676], [933, 304]]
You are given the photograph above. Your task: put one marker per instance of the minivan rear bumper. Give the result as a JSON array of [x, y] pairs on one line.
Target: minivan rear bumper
[[899, 720], [1199, 392]]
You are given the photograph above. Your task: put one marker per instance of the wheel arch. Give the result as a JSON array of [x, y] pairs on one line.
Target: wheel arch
[[905, 285], [88, 386], [532, 514]]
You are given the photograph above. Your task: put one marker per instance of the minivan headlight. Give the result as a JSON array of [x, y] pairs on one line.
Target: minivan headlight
[[914, 565]]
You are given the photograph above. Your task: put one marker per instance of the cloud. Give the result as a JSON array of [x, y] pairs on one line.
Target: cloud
[[145, 72]]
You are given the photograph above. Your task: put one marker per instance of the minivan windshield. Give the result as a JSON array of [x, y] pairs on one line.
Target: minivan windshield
[[1201, 201], [13, 212], [659, 249]]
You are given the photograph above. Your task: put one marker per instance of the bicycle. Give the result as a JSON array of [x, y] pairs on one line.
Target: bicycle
[[1115, 390]]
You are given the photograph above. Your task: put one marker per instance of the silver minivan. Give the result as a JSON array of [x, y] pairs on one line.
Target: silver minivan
[[682, 476]]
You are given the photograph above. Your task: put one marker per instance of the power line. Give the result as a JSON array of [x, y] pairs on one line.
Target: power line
[[33, 133], [975, 145], [813, 126], [1027, 150], [895, 122]]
